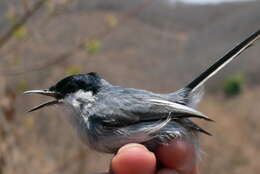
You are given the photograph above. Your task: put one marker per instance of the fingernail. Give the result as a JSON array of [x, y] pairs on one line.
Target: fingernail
[[132, 145]]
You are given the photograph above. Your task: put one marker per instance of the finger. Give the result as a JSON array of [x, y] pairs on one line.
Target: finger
[[178, 155], [134, 159], [166, 171]]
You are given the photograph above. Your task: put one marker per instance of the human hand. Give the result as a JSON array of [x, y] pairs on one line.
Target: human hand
[[176, 158]]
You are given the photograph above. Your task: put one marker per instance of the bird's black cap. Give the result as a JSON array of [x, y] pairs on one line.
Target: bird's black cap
[[87, 82]]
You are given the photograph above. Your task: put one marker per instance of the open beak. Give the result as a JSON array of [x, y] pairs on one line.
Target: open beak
[[47, 93]]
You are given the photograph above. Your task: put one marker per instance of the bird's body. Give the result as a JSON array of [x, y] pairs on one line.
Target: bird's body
[[115, 116], [107, 116]]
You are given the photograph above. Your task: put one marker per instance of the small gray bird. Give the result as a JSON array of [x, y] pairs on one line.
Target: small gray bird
[[107, 117]]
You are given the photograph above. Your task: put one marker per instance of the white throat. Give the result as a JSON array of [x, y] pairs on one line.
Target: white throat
[[79, 105], [80, 101]]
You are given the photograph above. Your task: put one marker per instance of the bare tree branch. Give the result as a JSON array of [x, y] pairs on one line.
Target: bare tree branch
[[17, 25], [81, 45]]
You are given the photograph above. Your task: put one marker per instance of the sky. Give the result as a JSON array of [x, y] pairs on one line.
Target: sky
[[209, 1]]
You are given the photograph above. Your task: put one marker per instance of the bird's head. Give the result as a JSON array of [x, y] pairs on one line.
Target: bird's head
[[79, 84]]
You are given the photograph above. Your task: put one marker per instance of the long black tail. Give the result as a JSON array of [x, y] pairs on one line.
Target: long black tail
[[219, 64]]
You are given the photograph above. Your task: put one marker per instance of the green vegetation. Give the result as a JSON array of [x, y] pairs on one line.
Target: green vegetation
[[233, 84], [22, 85], [20, 32], [72, 69], [111, 20], [93, 46], [12, 17]]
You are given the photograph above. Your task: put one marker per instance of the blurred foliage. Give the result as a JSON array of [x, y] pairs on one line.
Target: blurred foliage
[[7, 104], [72, 69], [111, 20], [12, 17], [14, 60], [21, 32], [54, 6], [22, 85], [233, 84], [93, 46], [28, 122]]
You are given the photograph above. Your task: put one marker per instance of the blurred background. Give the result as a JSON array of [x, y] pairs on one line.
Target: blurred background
[[158, 45]]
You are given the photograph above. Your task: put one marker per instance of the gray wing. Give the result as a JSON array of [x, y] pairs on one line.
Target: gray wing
[[122, 108]]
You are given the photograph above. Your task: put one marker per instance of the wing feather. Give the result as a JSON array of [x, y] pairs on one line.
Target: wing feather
[[123, 110]]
